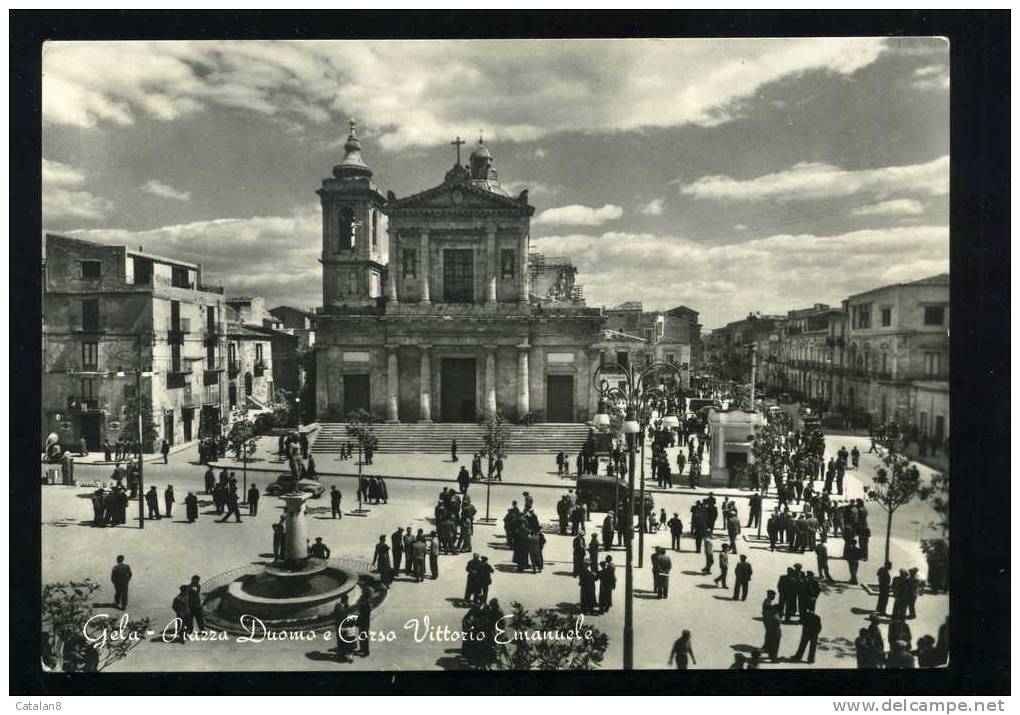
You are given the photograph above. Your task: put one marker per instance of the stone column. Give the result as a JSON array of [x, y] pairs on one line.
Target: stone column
[[426, 383], [522, 270], [523, 379], [423, 268], [392, 384], [295, 550], [490, 250], [391, 269], [490, 378]]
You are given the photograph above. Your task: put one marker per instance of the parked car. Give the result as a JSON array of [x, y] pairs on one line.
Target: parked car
[[285, 484], [601, 492]]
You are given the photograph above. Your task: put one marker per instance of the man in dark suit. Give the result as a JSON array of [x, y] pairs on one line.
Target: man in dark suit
[[195, 601], [810, 627], [884, 585], [253, 500], [364, 623], [121, 576], [334, 502], [742, 575], [233, 505], [676, 530], [152, 501]]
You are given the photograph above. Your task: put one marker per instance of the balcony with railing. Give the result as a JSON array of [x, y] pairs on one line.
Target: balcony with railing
[[177, 329], [259, 367], [87, 404]]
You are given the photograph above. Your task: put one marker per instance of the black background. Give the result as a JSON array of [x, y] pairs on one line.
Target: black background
[[979, 230]]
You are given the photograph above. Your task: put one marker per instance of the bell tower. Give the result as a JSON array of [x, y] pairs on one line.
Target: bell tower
[[355, 250]]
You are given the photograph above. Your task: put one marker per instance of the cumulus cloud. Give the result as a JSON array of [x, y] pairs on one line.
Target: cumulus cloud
[[576, 215], [64, 199], [817, 180], [653, 207], [158, 188], [895, 207], [535, 188], [55, 174], [279, 254], [518, 90], [931, 77], [726, 281]]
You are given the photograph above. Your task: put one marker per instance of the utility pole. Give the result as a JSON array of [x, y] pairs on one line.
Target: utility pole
[[628, 535], [754, 365], [138, 406]]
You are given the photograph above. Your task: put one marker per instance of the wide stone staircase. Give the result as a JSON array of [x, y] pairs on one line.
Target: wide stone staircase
[[548, 437]]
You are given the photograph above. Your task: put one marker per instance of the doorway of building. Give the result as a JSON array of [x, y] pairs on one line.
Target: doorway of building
[[357, 394], [559, 398], [90, 430], [168, 427], [187, 416], [457, 387]]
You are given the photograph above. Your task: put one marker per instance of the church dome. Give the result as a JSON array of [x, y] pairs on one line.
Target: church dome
[[481, 151]]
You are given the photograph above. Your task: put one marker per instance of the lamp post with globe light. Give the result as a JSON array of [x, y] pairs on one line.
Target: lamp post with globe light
[[630, 391]]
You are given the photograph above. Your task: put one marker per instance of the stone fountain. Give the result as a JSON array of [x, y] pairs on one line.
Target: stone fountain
[[297, 592]]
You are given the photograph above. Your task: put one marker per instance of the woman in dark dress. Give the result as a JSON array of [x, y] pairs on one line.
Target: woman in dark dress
[[586, 579], [607, 582]]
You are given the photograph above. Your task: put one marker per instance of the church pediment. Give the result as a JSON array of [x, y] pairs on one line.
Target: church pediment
[[458, 196]]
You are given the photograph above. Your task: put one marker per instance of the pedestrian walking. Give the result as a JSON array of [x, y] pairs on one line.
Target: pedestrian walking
[[724, 566], [453, 450], [810, 627], [682, 651], [607, 583], [165, 451], [884, 586], [279, 529], [182, 611], [233, 505], [152, 502], [381, 561]]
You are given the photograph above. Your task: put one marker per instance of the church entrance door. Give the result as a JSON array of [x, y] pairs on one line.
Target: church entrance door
[[356, 394], [457, 387], [559, 398]]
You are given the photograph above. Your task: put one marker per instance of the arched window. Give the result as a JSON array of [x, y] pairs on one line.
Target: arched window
[[345, 231]]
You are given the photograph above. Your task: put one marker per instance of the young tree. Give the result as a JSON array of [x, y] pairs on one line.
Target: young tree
[[936, 550], [359, 426], [560, 643], [898, 482], [66, 610], [497, 442], [242, 442]]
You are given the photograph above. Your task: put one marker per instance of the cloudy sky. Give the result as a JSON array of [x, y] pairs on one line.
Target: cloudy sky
[[726, 175]]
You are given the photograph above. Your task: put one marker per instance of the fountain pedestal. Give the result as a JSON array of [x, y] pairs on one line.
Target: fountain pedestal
[[295, 549]]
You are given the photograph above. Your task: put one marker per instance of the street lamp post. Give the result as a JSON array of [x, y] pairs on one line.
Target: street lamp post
[[629, 390]]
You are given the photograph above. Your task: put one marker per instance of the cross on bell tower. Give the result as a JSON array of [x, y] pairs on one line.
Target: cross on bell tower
[[458, 142]]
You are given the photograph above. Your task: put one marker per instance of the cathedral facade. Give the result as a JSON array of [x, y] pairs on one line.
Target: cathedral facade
[[433, 309]]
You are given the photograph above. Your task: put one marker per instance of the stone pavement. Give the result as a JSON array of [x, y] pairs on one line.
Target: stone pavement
[[532, 470], [167, 552]]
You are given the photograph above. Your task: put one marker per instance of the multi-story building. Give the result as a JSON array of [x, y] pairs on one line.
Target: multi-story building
[[896, 355], [805, 352], [109, 311], [300, 322], [427, 308], [672, 336], [262, 354], [727, 350]]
